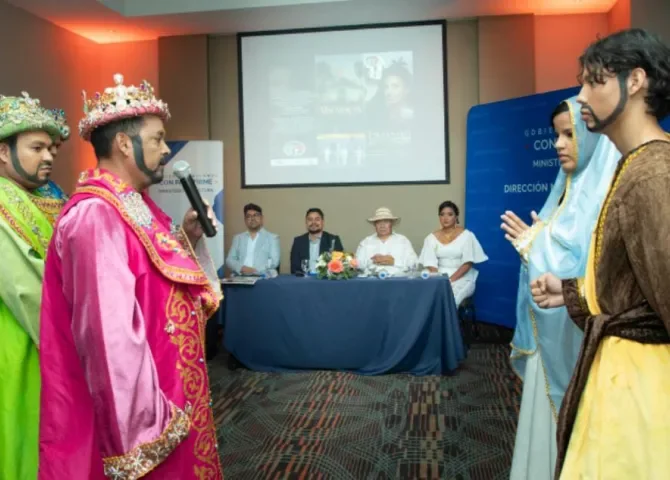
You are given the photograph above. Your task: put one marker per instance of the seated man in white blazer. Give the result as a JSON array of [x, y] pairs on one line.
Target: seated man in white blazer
[[256, 250], [385, 249]]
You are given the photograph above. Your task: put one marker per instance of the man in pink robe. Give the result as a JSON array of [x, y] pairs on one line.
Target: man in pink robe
[[125, 391]]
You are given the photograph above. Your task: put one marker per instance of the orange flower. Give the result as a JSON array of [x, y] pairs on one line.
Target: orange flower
[[354, 263], [335, 266]]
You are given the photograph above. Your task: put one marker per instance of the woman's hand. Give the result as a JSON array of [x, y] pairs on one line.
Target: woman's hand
[[513, 226]]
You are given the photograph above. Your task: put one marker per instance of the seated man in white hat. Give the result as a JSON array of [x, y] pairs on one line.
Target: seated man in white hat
[[385, 249]]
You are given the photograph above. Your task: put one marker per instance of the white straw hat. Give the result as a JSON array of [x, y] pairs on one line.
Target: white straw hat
[[383, 213]]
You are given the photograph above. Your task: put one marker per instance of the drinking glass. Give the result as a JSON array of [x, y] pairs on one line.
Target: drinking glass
[[270, 272], [304, 265]]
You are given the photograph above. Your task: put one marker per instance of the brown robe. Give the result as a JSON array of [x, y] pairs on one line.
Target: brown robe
[[632, 270]]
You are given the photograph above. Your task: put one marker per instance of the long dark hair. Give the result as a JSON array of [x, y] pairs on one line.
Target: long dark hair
[[621, 53]]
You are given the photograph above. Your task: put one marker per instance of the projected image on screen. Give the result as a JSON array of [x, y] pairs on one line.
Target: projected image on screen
[[371, 93], [319, 108]]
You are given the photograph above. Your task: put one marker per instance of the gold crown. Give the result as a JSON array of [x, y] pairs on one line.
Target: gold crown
[[118, 103]]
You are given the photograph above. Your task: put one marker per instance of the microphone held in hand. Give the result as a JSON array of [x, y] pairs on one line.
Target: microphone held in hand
[[182, 170]]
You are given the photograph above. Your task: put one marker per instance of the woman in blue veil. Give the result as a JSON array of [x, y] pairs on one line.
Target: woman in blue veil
[[546, 342]]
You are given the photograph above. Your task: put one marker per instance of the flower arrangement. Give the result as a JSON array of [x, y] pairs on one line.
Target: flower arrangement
[[336, 266]]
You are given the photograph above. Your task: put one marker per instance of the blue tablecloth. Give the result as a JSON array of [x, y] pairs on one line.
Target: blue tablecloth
[[364, 325]]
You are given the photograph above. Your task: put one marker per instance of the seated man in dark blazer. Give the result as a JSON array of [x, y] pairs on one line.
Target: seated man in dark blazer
[[309, 246]]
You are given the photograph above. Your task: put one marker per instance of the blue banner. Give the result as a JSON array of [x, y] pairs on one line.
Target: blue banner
[[511, 165]]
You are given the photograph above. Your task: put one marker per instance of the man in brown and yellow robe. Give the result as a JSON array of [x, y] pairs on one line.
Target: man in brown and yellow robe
[[615, 420]]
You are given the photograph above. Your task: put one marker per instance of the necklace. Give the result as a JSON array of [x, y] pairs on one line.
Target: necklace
[[450, 235]]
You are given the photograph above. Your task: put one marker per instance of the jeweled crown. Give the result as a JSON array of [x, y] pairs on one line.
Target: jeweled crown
[[120, 102], [61, 120], [23, 114]]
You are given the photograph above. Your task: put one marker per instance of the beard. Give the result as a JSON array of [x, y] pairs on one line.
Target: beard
[[601, 124], [155, 176], [31, 180]]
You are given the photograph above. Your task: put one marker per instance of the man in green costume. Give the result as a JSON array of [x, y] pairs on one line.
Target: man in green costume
[[27, 132]]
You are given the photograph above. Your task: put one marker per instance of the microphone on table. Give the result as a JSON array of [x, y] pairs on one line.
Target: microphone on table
[[182, 170], [332, 245]]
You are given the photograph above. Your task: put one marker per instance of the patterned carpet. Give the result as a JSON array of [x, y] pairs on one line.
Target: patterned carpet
[[333, 425]]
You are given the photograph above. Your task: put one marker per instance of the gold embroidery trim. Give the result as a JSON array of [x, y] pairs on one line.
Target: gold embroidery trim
[[186, 319], [168, 243], [522, 352], [581, 291], [182, 238], [147, 456], [119, 185], [211, 297], [519, 352], [554, 410], [608, 199], [179, 274], [525, 241], [23, 209], [4, 213], [50, 207]]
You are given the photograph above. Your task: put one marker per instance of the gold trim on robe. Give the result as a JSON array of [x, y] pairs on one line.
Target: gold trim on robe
[[147, 456]]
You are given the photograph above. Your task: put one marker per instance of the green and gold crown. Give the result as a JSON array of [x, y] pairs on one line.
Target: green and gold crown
[[25, 114], [118, 103]]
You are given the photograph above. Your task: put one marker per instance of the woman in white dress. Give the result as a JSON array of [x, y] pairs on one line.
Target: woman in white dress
[[452, 250]]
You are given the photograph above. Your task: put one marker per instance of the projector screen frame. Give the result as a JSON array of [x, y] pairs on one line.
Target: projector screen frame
[[444, 48]]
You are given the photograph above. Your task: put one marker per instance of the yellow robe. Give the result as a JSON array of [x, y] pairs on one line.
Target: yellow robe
[[622, 425]]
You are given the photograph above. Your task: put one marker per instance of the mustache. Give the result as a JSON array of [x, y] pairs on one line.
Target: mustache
[[45, 164], [164, 161]]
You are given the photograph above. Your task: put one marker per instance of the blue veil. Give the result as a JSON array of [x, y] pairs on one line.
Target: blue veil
[[560, 246]]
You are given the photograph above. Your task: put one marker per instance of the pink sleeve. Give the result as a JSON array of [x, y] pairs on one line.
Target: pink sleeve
[[133, 417]]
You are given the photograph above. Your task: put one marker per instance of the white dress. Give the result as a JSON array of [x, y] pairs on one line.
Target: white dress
[[535, 446], [450, 257]]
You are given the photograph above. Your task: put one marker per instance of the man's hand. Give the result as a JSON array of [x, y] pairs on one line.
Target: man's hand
[[386, 260], [191, 224], [547, 291], [514, 226], [248, 271]]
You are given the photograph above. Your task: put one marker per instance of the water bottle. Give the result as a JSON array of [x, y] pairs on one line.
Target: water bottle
[[269, 271]]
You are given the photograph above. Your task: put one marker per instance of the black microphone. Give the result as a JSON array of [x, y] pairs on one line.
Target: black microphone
[[182, 170]]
